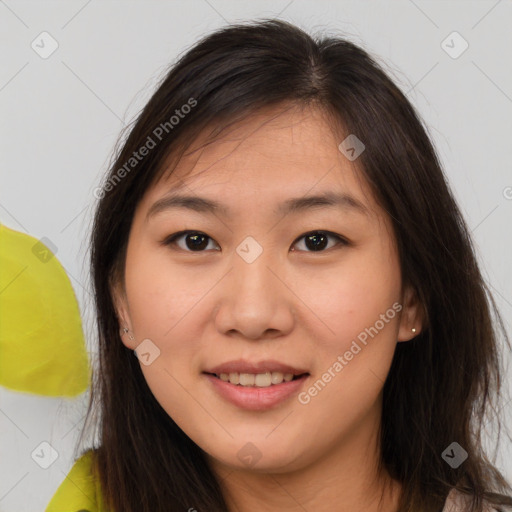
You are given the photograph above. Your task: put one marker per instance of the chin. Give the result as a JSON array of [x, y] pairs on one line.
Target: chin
[[264, 457]]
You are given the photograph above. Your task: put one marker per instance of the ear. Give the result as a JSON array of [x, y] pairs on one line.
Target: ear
[[412, 316], [123, 314]]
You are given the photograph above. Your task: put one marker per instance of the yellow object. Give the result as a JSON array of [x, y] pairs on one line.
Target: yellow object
[[42, 347], [80, 490]]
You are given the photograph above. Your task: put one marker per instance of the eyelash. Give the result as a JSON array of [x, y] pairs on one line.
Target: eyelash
[[171, 239]]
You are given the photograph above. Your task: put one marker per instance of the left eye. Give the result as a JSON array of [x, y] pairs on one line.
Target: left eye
[[196, 241], [318, 240]]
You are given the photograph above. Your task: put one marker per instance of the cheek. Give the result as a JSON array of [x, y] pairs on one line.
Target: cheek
[[361, 309], [162, 296], [351, 299], [162, 303]]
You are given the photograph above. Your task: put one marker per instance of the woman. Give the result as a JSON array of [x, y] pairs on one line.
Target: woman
[[277, 244]]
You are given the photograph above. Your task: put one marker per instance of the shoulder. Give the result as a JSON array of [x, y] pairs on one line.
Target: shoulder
[[79, 491]]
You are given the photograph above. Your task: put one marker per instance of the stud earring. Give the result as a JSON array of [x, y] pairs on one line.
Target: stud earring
[[125, 331], [413, 329]]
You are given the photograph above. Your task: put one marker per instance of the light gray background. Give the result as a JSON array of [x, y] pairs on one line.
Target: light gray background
[[62, 115]]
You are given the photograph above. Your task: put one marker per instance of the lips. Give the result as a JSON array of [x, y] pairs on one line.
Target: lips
[[256, 386], [243, 366]]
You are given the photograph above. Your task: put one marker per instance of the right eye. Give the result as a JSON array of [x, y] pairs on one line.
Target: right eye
[[195, 241]]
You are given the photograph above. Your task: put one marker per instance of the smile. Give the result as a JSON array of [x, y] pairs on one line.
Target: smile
[[256, 392], [260, 380]]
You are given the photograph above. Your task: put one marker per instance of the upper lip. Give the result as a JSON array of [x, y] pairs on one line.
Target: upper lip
[[243, 366]]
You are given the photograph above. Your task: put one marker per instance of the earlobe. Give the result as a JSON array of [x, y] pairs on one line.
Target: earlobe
[[126, 332], [123, 316], [411, 320]]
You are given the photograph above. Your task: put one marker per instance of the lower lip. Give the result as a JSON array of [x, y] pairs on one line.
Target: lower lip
[[254, 398]]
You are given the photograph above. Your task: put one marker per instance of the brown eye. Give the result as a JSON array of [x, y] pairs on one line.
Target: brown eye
[[317, 241], [195, 241]]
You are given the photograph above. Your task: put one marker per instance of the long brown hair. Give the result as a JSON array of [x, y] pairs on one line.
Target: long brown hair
[[441, 385]]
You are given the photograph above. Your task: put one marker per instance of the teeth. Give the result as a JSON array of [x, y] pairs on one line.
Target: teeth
[[260, 380], [263, 380], [277, 377], [247, 379]]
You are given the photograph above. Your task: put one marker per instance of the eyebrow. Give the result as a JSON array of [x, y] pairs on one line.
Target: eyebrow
[[199, 204]]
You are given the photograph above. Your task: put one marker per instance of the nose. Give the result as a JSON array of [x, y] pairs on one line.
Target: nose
[[254, 300]]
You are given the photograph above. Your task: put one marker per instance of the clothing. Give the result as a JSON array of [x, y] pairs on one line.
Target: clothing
[[80, 492]]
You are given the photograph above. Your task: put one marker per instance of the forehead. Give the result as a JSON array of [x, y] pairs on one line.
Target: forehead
[[272, 155]]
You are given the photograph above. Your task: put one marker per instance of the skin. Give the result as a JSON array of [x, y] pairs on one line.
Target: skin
[[292, 304]]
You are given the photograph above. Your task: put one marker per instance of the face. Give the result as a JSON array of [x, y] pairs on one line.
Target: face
[[258, 293]]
